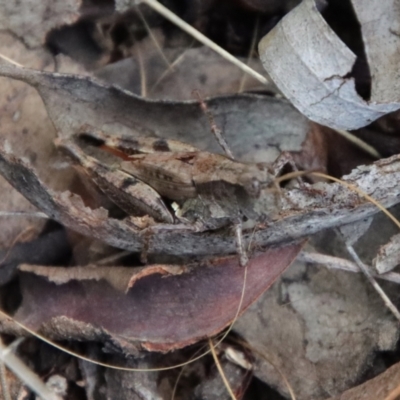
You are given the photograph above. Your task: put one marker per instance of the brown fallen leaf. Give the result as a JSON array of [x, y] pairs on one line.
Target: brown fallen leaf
[[328, 322], [379, 388], [26, 127], [159, 312], [270, 125]]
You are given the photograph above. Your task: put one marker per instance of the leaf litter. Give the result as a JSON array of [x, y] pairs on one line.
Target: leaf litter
[[192, 127], [319, 82]]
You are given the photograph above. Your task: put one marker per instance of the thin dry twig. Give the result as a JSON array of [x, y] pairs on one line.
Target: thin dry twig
[[170, 68], [25, 374], [342, 264], [213, 126], [374, 283], [202, 39], [251, 51], [359, 143], [10, 60], [153, 38], [27, 214]]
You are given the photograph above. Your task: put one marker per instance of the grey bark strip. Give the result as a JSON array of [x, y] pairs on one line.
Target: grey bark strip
[[303, 213]]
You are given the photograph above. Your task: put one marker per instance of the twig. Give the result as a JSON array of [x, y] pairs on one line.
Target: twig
[[252, 47], [28, 214], [213, 126], [359, 143], [10, 60], [373, 282], [155, 5], [25, 374], [170, 68], [153, 38], [342, 264]]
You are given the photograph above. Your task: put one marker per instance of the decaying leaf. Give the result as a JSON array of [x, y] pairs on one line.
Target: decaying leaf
[[388, 256], [26, 126], [73, 101], [159, 312], [329, 323], [320, 327], [302, 212], [197, 68], [32, 21], [120, 278], [312, 66]]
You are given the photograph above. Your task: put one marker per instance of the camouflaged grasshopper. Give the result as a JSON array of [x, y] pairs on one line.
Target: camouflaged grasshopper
[[141, 175]]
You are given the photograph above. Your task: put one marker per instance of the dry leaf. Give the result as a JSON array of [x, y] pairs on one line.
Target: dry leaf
[[120, 278], [32, 20], [158, 312], [26, 126], [378, 388], [73, 101], [198, 68], [311, 65], [321, 329]]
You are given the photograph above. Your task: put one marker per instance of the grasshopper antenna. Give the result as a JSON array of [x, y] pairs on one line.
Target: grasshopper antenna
[[214, 128]]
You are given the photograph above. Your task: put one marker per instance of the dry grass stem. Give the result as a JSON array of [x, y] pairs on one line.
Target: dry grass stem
[[155, 5], [374, 283], [359, 143], [343, 265], [220, 370], [25, 374]]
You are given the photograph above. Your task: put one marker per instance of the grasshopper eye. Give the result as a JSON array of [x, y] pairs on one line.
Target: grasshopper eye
[[252, 187]]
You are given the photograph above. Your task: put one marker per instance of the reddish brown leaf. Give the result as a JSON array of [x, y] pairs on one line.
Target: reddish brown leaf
[[160, 313]]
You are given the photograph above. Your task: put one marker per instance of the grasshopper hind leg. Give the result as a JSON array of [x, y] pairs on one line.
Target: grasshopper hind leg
[[129, 193]]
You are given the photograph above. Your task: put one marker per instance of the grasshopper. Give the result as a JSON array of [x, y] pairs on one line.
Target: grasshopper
[[147, 176]]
